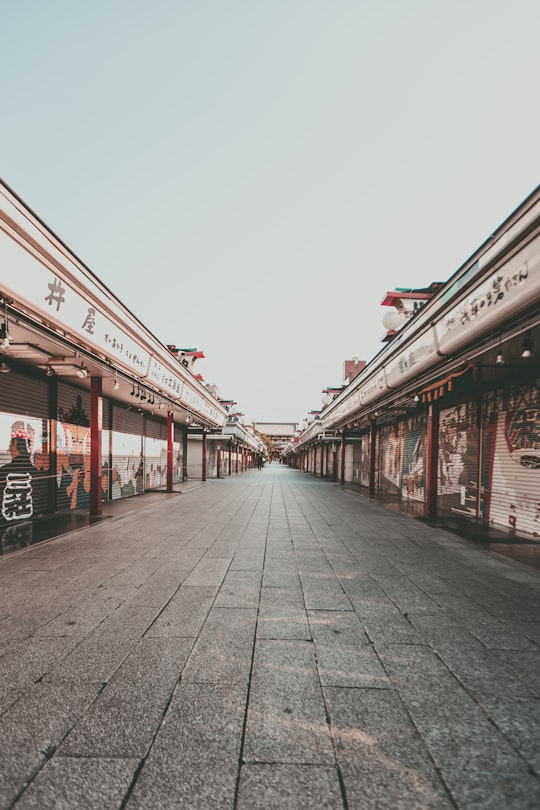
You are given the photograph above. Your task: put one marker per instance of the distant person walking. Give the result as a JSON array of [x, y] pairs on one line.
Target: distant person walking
[[259, 461]]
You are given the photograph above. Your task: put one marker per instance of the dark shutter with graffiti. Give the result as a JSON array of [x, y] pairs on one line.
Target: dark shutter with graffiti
[[457, 475], [413, 460], [511, 459], [390, 447], [25, 475], [24, 395]]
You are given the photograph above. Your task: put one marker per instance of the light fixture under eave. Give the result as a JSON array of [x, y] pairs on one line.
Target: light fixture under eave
[[4, 368], [4, 336], [4, 331], [499, 360], [527, 346], [82, 372], [116, 385]]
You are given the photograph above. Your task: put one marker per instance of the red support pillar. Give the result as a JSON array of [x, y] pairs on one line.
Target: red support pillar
[[218, 463], [342, 471], [96, 429], [230, 456], [184, 454], [204, 455], [170, 447], [372, 456], [432, 458]]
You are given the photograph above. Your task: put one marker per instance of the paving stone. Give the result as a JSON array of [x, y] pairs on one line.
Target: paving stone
[[345, 656], [128, 712], [203, 723], [289, 787], [492, 790], [79, 784], [224, 648], [519, 720], [185, 614], [99, 655], [28, 661], [33, 728], [286, 719], [208, 571], [382, 757], [239, 589], [198, 787], [323, 592], [389, 626], [235, 692], [282, 614]]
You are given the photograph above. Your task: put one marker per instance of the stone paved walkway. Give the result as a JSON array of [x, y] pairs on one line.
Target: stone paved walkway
[[267, 641]]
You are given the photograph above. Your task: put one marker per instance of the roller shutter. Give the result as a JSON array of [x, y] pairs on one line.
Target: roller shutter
[[25, 477], [127, 473], [511, 459], [155, 453], [390, 453], [457, 474]]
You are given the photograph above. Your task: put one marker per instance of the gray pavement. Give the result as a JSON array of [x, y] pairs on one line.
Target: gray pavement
[[267, 641]]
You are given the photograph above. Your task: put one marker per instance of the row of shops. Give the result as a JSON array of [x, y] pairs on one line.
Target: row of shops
[[92, 406], [445, 420]]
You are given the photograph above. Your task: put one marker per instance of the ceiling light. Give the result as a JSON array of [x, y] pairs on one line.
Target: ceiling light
[[4, 336], [82, 372], [116, 384], [4, 368], [4, 331], [500, 358], [527, 346]]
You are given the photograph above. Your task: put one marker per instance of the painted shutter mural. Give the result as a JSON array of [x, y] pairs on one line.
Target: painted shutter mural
[[413, 463], [155, 453], [24, 455], [511, 459], [127, 474], [457, 475]]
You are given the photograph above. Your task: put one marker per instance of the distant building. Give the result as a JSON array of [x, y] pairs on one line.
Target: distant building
[[279, 433], [352, 369]]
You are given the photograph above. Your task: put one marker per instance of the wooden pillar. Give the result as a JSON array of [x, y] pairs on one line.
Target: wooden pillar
[[219, 460], [230, 456], [170, 449], [343, 446], [96, 429]]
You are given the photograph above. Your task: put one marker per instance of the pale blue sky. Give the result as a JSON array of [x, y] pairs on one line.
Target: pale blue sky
[[250, 178]]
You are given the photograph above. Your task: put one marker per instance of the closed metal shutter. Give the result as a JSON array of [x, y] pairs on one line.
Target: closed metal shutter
[[127, 474], [73, 447], [511, 459], [457, 474], [155, 429], [363, 476], [26, 478], [127, 421], [413, 460], [178, 433], [155, 453], [390, 453], [24, 395]]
